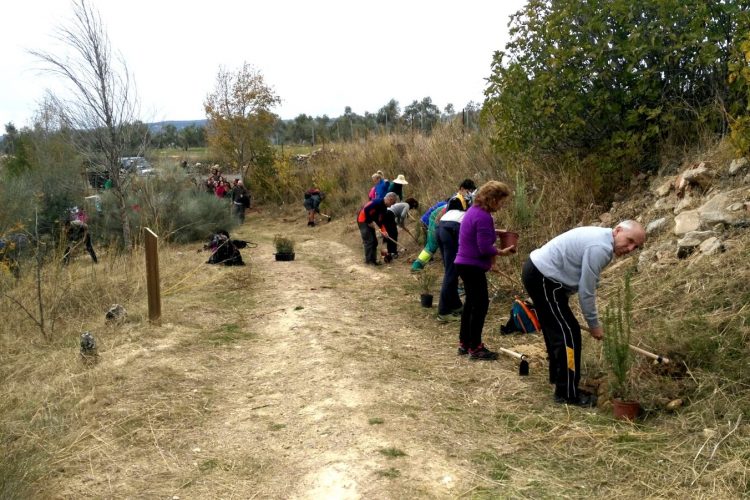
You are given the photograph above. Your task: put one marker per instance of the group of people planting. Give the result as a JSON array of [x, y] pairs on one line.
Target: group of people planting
[[462, 227]]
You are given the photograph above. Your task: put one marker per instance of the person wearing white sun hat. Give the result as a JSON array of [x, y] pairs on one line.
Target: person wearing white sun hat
[[397, 186]]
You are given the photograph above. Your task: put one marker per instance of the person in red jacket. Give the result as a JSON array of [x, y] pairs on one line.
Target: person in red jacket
[[371, 220]]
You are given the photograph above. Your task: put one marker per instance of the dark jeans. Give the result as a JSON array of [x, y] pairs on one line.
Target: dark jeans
[[389, 221], [562, 333], [370, 242], [447, 237], [239, 211], [477, 304]]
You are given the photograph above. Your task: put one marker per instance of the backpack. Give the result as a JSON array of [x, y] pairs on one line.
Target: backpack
[[522, 318]]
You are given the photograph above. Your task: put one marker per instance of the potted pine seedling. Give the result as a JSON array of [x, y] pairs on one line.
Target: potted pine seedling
[[284, 248], [618, 355], [426, 280]]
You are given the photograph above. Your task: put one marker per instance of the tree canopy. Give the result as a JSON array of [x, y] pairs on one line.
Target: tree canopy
[[240, 121], [611, 81]]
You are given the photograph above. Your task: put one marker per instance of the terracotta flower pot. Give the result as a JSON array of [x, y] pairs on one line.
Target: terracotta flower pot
[[625, 410], [426, 299], [508, 238]]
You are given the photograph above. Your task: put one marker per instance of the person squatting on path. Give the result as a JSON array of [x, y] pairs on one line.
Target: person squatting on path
[[570, 263], [476, 255], [429, 219], [313, 197], [370, 219], [448, 226], [396, 217]]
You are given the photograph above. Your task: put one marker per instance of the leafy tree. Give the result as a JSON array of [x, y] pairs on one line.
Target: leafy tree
[[389, 115], [422, 115], [240, 121], [611, 81]]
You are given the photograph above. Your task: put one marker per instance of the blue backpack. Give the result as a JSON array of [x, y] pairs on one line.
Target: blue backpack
[[522, 318]]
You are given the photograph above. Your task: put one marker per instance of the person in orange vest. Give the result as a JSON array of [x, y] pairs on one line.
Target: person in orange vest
[[371, 219]]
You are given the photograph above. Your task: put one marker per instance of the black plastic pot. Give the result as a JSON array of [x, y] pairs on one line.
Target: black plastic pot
[[284, 256], [426, 299]]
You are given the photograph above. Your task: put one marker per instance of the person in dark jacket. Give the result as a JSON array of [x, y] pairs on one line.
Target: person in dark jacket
[[371, 220], [448, 226], [240, 200]]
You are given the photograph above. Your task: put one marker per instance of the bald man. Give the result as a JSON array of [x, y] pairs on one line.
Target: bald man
[[567, 264]]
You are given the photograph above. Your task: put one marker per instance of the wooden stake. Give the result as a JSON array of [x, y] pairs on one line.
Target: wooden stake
[[152, 277]]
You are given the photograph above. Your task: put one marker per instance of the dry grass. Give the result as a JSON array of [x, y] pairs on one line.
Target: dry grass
[[501, 433]]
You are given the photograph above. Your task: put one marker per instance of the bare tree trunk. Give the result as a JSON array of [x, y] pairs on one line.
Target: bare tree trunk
[[104, 104]]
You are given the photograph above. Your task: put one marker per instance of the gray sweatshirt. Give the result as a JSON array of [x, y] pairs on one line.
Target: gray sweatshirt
[[576, 259]]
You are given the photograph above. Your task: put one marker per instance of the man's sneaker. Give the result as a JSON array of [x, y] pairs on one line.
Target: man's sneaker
[[584, 399], [482, 353], [462, 351], [447, 318]]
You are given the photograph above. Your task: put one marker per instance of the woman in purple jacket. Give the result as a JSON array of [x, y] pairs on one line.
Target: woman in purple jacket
[[476, 255]]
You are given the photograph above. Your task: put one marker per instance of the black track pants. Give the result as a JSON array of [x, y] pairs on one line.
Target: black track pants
[[562, 333]]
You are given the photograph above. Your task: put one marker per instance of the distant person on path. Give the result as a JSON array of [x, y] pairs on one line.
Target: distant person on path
[[240, 200], [313, 197], [476, 255], [370, 219], [572, 263], [450, 307]]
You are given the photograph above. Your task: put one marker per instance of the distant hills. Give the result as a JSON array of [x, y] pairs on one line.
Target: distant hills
[[178, 124]]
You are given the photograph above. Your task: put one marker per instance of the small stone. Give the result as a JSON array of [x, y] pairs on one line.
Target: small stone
[[674, 404], [196, 450], [737, 165]]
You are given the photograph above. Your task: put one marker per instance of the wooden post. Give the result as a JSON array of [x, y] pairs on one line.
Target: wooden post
[[152, 277]]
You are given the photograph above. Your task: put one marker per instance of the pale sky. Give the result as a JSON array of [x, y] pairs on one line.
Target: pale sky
[[319, 56]]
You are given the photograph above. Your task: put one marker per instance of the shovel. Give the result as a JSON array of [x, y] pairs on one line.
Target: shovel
[[394, 241], [523, 367], [657, 357]]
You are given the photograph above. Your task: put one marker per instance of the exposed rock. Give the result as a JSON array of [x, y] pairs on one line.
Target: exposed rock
[[689, 201], [737, 165], [699, 176], [711, 246], [664, 188], [689, 242], [716, 210], [116, 314], [701, 235], [687, 221], [656, 225], [606, 219], [667, 203]]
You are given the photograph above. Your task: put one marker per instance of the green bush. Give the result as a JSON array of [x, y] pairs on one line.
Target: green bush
[[170, 206]]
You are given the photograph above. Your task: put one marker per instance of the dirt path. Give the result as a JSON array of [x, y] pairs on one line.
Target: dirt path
[[318, 378]]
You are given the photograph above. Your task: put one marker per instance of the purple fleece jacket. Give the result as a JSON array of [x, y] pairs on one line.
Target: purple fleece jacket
[[476, 240]]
